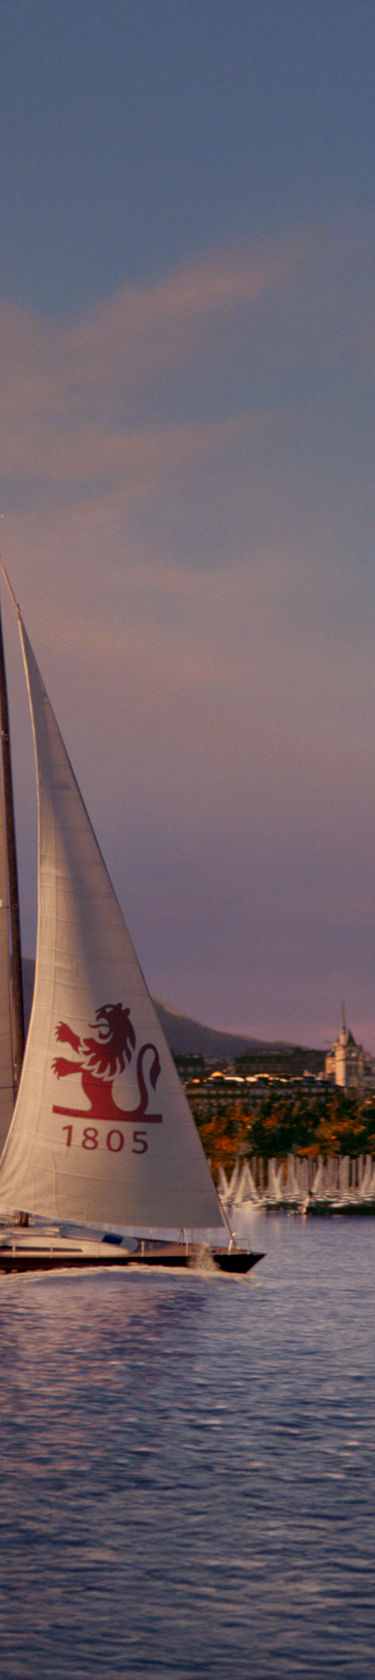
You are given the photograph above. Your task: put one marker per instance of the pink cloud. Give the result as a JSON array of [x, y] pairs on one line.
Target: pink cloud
[[72, 393], [68, 391]]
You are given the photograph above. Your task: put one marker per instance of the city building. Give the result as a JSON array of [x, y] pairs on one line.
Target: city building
[[348, 1064]]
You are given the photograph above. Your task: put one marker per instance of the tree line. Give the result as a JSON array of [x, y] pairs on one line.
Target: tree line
[[330, 1123]]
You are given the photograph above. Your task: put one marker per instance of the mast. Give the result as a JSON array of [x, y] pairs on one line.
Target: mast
[[19, 1021]]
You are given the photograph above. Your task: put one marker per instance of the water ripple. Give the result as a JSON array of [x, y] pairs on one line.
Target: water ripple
[[187, 1468]]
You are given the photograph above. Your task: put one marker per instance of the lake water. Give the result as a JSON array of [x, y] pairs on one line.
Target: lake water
[[187, 1481]]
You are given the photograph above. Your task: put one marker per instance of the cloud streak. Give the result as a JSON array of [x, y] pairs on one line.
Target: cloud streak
[[85, 381], [187, 476]]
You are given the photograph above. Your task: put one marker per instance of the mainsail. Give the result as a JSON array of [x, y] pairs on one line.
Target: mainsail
[[7, 1091], [12, 1036], [102, 1131]]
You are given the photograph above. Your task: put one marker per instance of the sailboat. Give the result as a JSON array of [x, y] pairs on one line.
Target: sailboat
[[102, 1153]]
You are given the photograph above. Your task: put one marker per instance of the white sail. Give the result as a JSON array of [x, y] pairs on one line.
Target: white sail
[[6, 1022], [102, 1131]]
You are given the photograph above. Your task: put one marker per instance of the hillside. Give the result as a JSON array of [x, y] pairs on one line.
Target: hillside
[[187, 1037]]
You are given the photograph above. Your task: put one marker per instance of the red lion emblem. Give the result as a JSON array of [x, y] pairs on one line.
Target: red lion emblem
[[100, 1059]]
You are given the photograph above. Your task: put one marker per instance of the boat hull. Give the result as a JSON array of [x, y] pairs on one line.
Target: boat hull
[[28, 1259]]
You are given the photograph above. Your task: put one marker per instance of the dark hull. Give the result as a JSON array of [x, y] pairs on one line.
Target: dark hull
[[237, 1261], [44, 1260]]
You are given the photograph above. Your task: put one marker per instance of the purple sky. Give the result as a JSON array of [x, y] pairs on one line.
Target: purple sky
[[187, 427]]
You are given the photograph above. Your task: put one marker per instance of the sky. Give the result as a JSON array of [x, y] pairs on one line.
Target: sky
[[187, 428]]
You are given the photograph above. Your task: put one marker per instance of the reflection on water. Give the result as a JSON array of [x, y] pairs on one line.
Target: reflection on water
[[187, 1467]]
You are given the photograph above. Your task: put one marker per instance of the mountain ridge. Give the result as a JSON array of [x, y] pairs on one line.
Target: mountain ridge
[[188, 1037]]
